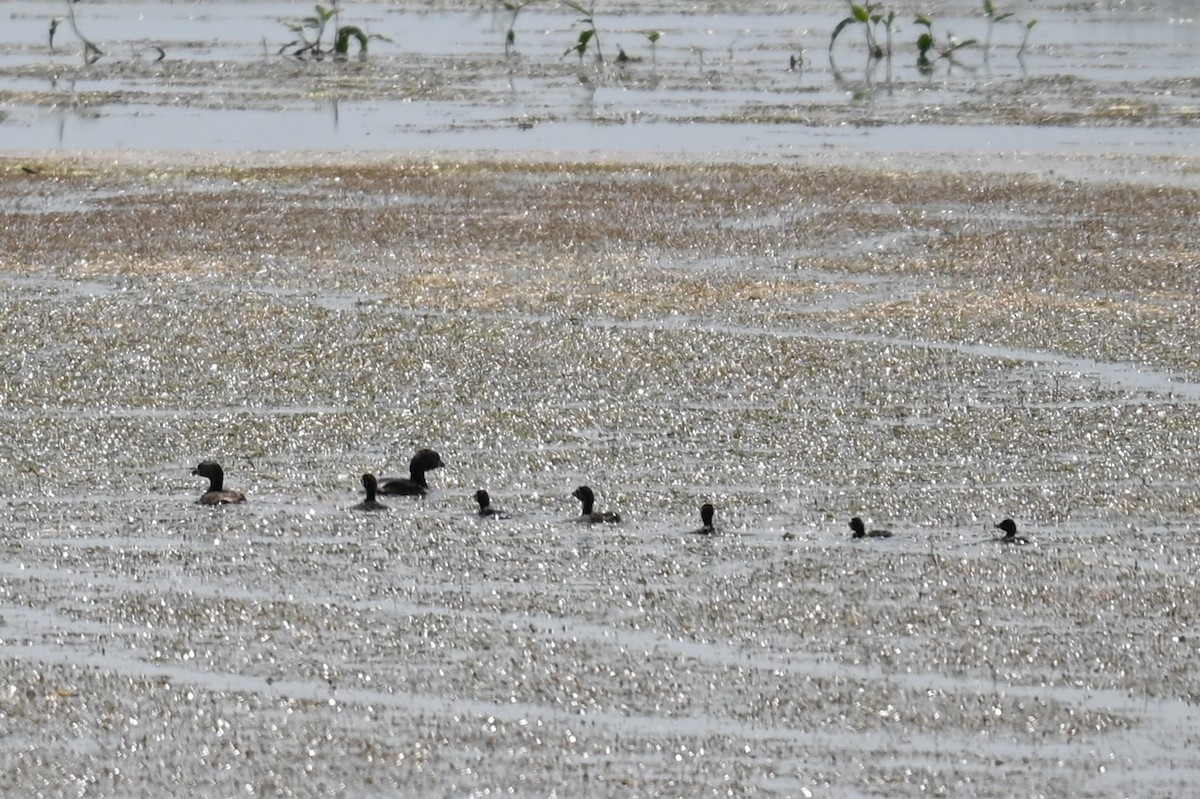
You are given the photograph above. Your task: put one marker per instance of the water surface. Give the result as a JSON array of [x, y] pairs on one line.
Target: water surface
[[1093, 78]]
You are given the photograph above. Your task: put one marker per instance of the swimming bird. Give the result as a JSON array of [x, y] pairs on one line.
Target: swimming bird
[[585, 495], [216, 493], [485, 506], [414, 485], [1010, 533], [860, 530], [706, 519], [372, 486]]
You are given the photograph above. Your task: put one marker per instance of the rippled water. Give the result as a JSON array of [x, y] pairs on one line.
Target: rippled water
[[931, 351], [990, 313], [1096, 78]]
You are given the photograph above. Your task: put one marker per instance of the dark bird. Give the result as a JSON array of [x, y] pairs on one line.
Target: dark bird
[[1010, 533], [372, 486], [706, 519], [485, 506], [216, 493], [588, 516], [414, 485], [860, 530]]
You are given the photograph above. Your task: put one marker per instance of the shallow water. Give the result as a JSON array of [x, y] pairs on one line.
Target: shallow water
[[931, 351], [1095, 78], [931, 338]]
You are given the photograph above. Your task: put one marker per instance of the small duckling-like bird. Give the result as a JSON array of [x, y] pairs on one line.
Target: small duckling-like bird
[[585, 495], [426, 460], [860, 530], [485, 506], [706, 520], [216, 494], [1010, 533], [370, 503]]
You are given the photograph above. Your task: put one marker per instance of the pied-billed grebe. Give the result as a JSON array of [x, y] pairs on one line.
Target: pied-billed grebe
[[216, 493], [861, 531], [1010, 533], [414, 485], [585, 495], [706, 519], [485, 506], [372, 486]]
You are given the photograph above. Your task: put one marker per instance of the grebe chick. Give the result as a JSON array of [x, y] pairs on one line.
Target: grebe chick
[[585, 495], [1010, 533], [426, 460], [216, 493], [372, 486], [485, 506], [706, 519], [860, 530]]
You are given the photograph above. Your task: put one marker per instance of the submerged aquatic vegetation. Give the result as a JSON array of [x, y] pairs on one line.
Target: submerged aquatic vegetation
[[589, 36], [312, 35], [995, 16], [653, 37], [514, 7], [927, 43], [91, 51], [1027, 28], [453, 86], [871, 16]]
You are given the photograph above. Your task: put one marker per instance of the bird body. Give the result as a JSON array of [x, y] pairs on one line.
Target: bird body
[[590, 516], [216, 494], [370, 503], [426, 460], [861, 531], [1010, 533], [485, 506], [706, 520]]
